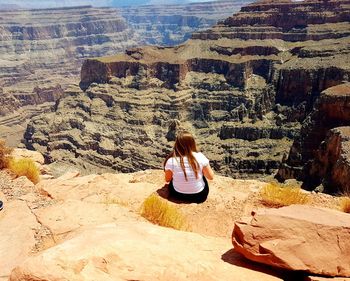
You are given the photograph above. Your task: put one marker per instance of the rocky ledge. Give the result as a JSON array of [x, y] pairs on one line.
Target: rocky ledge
[[60, 216], [243, 99]]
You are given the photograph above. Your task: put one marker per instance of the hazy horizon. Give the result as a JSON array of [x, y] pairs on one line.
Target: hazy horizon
[[97, 3]]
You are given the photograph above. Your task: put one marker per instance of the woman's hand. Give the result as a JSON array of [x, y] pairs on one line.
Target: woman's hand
[[208, 172]]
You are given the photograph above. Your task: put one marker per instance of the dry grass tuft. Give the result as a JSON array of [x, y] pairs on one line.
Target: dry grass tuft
[[4, 155], [114, 201], [345, 204], [25, 167], [273, 195], [159, 211]]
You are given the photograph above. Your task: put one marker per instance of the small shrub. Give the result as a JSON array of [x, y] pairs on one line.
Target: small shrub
[[345, 204], [25, 167], [4, 155], [273, 195], [159, 211]]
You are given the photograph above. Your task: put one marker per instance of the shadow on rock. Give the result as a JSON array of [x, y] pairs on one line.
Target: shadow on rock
[[236, 259], [164, 193]]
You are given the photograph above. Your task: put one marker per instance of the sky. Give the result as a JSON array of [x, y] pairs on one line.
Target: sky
[[115, 3]]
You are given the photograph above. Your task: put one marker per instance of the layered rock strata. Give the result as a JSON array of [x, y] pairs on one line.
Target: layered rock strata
[[243, 99], [39, 47], [321, 154], [45, 48]]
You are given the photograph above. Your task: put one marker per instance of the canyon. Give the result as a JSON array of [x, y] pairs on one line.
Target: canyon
[[243, 87], [41, 51], [266, 93]]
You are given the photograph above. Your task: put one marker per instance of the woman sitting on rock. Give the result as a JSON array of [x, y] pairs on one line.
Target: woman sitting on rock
[[187, 171]]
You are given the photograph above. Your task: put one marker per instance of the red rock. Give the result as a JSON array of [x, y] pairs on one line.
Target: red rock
[[137, 251], [297, 237], [17, 235]]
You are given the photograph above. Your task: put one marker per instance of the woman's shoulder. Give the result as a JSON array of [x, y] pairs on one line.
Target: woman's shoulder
[[200, 156]]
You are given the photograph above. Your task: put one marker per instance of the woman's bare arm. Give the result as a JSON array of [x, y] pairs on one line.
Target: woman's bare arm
[[208, 172], [168, 175]]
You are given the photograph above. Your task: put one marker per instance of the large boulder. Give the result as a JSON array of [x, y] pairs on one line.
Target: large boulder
[[137, 251], [297, 237]]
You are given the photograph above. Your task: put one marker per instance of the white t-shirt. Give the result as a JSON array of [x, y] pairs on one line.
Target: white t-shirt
[[192, 185]]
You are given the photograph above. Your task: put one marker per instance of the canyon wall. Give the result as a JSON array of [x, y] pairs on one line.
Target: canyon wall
[[242, 87], [320, 156], [41, 51]]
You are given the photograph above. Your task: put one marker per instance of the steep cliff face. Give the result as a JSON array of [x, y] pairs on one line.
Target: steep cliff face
[[243, 99], [320, 155], [43, 48], [331, 165]]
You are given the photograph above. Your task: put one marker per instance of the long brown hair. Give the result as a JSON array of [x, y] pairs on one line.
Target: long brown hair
[[184, 146]]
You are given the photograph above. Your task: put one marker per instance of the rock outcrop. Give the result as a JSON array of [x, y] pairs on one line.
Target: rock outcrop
[[300, 238], [136, 251], [59, 213], [46, 229], [242, 87], [103, 194], [321, 154]]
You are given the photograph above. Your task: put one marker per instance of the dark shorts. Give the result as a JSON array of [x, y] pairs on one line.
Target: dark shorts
[[193, 198]]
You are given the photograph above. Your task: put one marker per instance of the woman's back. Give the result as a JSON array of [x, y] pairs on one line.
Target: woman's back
[[193, 184]]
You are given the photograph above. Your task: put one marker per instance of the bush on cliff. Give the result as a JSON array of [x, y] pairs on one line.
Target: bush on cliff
[[159, 211], [273, 195], [345, 204], [4, 154], [25, 167]]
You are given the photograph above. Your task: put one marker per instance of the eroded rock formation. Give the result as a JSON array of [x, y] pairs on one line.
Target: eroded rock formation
[[41, 51], [243, 99], [321, 154]]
